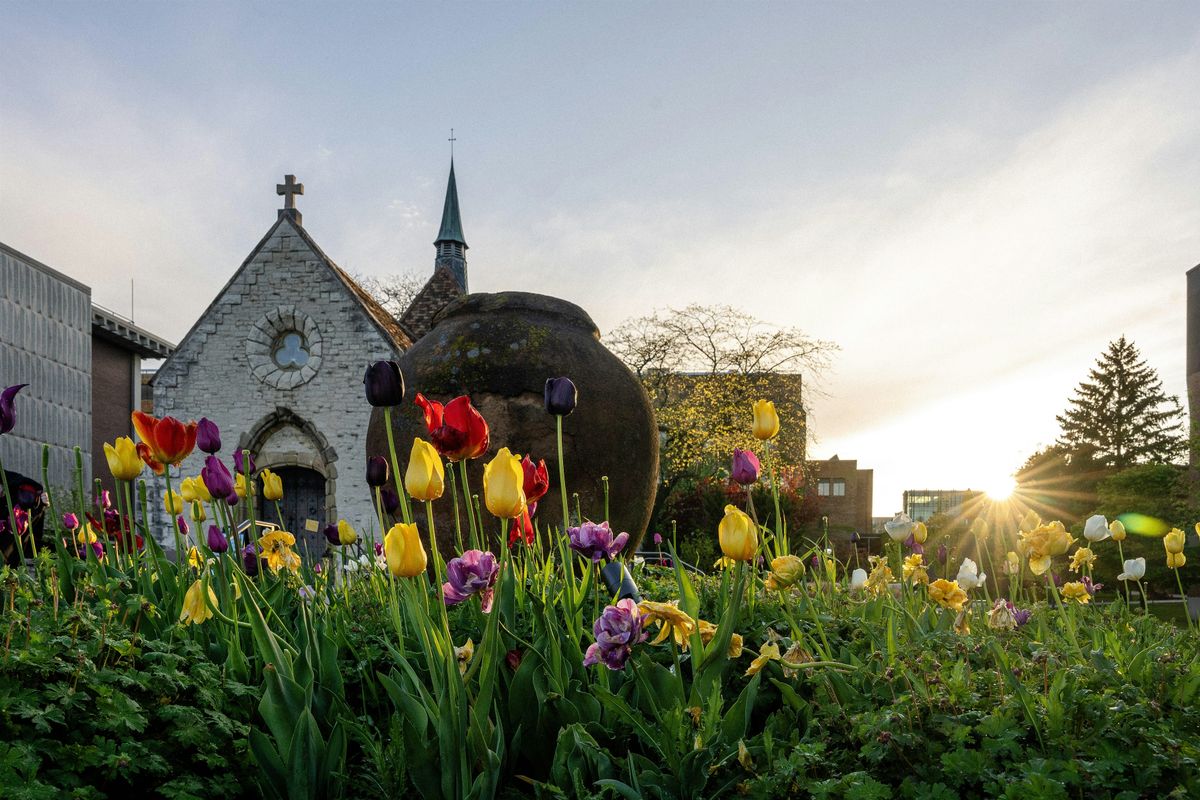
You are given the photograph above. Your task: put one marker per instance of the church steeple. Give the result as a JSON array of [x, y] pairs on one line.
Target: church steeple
[[450, 244]]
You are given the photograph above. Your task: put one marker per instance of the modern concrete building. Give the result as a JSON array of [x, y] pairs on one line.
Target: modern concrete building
[[921, 504]]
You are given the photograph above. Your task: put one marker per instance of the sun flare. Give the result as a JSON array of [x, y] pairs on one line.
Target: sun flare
[[1000, 489]]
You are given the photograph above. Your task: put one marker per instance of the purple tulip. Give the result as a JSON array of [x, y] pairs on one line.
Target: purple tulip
[[105, 499], [658, 540], [391, 501], [183, 526], [70, 521], [237, 463], [943, 554], [331, 533], [561, 396], [912, 544], [1021, 615], [855, 537], [617, 630], [250, 560], [8, 414], [217, 541], [378, 549], [474, 572], [208, 436], [307, 593], [217, 480], [1092, 588], [746, 467], [596, 541], [97, 550], [377, 471], [384, 384]]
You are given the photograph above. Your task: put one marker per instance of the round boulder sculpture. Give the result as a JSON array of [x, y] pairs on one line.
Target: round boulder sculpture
[[499, 349]]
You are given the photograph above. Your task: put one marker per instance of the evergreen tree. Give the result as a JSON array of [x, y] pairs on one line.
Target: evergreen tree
[[1120, 415]]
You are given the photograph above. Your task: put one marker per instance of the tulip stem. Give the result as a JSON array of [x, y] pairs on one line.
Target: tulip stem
[[562, 474], [252, 531], [458, 540], [387, 423], [1187, 617], [1121, 554], [12, 517], [180, 555], [781, 544], [473, 522]]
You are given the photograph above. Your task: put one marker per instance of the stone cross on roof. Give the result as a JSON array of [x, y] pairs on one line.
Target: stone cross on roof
[[289, 189]]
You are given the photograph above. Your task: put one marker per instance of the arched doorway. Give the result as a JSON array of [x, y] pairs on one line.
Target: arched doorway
[[302, 508]]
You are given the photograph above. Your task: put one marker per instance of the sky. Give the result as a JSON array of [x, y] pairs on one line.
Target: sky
[[970, 199]]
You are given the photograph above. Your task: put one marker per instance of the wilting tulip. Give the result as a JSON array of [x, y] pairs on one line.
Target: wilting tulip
[[1117, 529], [123, 460], [217, 541], [272, 485], [194, 490], [208, 436], [617, 630], [173, 503], [1096, 528], [384, 384], [596, 541], [1077, 591], [8, 414], [250, 560], [746, 467], [170, 441], [737, 534], [377, 471], [536, 480], [457, 430], [503, 485], [766, 421], [561, 396], [217, 480], [899, 527], [947, 594], [1135, 570], [195, 609], [1001, 617], [785, 570], [405, 554], [474, 572], [1173, 542], [425, 478]]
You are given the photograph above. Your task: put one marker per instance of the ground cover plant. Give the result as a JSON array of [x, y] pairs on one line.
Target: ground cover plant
[[543, 659]]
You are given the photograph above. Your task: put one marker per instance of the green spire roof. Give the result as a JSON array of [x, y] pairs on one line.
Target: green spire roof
[[451, 230]]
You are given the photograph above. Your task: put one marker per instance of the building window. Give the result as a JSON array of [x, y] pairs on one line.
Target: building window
[[823, 487], [839, 487], [290, 352]]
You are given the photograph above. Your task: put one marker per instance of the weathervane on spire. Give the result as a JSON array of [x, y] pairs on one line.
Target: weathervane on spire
[[452, 140]]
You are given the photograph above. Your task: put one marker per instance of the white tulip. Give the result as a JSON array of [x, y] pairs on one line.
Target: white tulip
[[1135, 570], [899, 528], [1096, 528], [969, 576], [858, 580]]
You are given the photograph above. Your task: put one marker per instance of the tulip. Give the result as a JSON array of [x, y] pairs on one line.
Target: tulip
[[899, 528], [195, 609], [1043, 543], [208, 436], [617, 630], [560, 396], [947, 594], [377, 471], [1173, 542], [766, 421], [405, 554], [239, 489], [980, 529], [169, 440], [474, 572], [522, 527], [243, 461], [276, 547], [913, 569], [920, 533], [194, 490], [331, 534], [173, 503], [1096, 528], [391, 500], [184, 530], [340, 533], [1083, 557], [943, 553], [250, 560], [746, 467], [8, 413], [1135, 570], [70, 521], [1030, 521], [737, 534], [1002, 617], [503, 485], [457, 430], [969, 576], [217, 480], [384, 384], [1117, 529], [198, 514], [658, 540], [425, 478], [272, 485], [1075, 590], [123, 460], [218, 542], [858, 580], [596, 541], [536, 479], [785, 570]]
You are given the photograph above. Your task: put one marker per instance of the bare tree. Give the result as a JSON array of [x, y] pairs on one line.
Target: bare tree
[[395, 291]]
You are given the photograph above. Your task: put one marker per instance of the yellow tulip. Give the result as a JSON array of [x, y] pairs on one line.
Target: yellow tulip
[[272, 485], [194, 490], [123, 460], [920, 533], [766, 421], [198, 514], [404, 551], [195, 609], [737, 534], [768, 652], [1076, 591], [1082, 557], [1117, 529], [1173, 542], [947, 594], [425, 478], [239, 486], [504, 485], [1043, 543], [173, 503], [346, 534], [276, 548], [785, 571]]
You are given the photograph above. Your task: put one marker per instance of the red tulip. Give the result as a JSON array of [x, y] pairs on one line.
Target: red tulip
[[537, 479], [168, 439], [143, 451], [522, 526], [457, 430]]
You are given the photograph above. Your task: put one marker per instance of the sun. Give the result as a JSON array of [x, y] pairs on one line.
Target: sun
[[1000, 489]]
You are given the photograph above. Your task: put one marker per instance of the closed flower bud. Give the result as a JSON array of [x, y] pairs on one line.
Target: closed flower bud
[[346, 534], [1116, 529], [272, 485], [766, 421], [216, 478], [173, 503], [123, 460], [377, 471], [737, 535], [208, 436], [384, 384], [561, 396], [250, 560], [198, 514], [194, 490], [504, 485], [391, 501], [1096, 528], [746, 467], [425, 478], [217, 541], [405, 553]]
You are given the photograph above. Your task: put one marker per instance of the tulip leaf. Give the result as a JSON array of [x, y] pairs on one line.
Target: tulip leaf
[[274, 778], [689, 601]]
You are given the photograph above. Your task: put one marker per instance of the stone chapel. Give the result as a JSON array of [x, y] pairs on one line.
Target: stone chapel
[[277, 361]]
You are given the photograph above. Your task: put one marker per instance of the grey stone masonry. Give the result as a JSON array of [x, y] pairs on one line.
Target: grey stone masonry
[[46, 342], [277, 362]]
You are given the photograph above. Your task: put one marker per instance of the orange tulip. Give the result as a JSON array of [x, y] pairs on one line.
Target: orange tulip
[[169, 441]]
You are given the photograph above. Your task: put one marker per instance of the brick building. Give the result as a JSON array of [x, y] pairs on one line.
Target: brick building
[[844, 495]]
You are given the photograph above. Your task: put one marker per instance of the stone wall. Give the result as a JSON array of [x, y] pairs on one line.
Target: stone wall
[[315, 416], [45, 341]]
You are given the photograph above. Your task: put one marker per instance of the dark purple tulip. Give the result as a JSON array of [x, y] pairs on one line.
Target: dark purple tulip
[[250, 560], [1092, 588], [217, 479], [377, 471], [105, 499], [379, 548], [943, 554], [912, 544], [474, 572], [208, 436], [746, 467], [331, 533], [217, 541], [391, 501], [596, 541], [70, 521], [1021, 615], [561, 396], [384, 383], [183, 526], [617, 630], [237, 462], [8, 414], [855, 537]]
